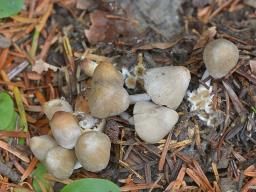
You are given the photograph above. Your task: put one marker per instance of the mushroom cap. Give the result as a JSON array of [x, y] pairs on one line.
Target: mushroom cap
[[40, 145], [107, 73], [93, 151], [153, 122], [55, 105], [220, 56], [167, 85], [88, 66], [106, 100], [60, 162], [65, 129]]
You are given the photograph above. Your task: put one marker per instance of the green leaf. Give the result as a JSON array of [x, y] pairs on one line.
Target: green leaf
[[91, 185], [38, 179], [10, 7], [12, 124], [6, 111]]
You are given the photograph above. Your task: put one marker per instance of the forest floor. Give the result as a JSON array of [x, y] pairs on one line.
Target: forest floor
[[42, 53]]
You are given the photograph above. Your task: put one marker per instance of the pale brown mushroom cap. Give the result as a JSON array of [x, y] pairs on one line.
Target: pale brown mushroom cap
[[65, 129], [60, 162], [107, 100], [220, 56], [106, 73], [153, 122], [40, 145], [93, 151], [167, 85], [107, 96], [55, 105]]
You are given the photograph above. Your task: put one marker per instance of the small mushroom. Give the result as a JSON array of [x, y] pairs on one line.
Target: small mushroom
[[93, 151], [167, 85], [220, 56], [60, 162], [55, 105], [65, 129], [153, 122], [40, 145], [88, 66], [107, 96]]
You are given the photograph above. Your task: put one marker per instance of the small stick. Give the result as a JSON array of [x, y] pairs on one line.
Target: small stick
[[8, 172], [163, 155], [14, 151]]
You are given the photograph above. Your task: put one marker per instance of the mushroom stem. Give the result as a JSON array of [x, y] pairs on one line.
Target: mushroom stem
[[77, 165], [126, 116], [139, 97]]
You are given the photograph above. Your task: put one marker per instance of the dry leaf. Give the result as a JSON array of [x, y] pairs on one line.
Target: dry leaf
[[41, 66], [206, 37]]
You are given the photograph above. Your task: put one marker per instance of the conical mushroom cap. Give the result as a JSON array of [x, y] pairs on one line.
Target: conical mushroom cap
[[65, 129], [93, 151], [220, 56], [167, 85], [106, 73], [55, 105], [60, 162], [153, 122]]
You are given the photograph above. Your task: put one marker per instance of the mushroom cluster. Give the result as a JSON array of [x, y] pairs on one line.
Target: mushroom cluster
[[153, 120], [165, 86], [70, 147]]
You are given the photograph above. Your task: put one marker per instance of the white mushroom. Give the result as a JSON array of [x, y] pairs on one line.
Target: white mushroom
[[60, 162], [167, 85], [220, 56], [65, 129], [40, 145], [55, 105], [93, 151], [153, 122]]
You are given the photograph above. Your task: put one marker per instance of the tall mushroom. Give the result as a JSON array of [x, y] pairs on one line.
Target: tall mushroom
[[107, 96], [220, 56], [65, 129], [153, 122]]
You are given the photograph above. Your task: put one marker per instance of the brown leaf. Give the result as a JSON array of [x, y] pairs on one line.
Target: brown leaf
[[206, 37], [107, 29]]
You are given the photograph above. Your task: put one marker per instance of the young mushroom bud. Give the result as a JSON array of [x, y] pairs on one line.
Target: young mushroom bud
[[60, 162], [107, 96], [167, 85], [65, 129], [153, 122], [93, 151], [40, 145], [55, 105], [220, 56]]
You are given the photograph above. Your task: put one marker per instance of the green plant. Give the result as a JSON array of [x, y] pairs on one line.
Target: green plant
[[7, 114], [38, 179], [91, 185], [10, 7]]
